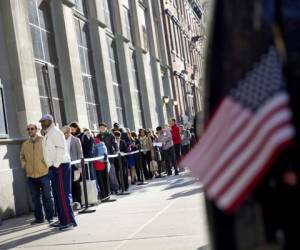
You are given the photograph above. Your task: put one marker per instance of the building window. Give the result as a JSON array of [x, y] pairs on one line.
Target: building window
[[175, 37], [127, 24], [180, 42], [157, 32], [116, 80], [143, 27], [3, 121], [136, 90], [87, 72], [145, 38], [171, 34], [80, 6], [42, 34], [108, 14]]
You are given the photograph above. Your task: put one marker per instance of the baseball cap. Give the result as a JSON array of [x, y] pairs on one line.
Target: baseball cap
[[46, 117], [116, 125]]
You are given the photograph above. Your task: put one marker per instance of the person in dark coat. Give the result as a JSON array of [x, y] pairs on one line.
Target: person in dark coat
[[86, 139], [124, 171], [135, 145], [112, 149], [87, 143], [124, 134]]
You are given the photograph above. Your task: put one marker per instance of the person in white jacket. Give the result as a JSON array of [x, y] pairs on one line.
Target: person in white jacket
[[58, 160]]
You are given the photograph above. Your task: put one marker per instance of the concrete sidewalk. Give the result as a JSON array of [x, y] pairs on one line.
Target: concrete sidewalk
[[168, 213]]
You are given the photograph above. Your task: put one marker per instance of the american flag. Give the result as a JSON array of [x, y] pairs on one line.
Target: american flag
[[248, 130]]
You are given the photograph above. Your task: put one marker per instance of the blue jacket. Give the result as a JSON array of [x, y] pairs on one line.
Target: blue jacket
[[100, 149]]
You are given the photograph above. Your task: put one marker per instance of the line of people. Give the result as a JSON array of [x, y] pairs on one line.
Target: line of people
[[55, 185]]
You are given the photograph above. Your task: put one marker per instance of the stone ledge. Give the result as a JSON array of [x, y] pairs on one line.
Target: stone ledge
[[12, 140]]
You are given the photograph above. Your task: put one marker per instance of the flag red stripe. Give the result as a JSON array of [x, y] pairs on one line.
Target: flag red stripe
[[251, 158], [255, 167], [210, 134], [250, 187], [238, 125], [227, 157], [247, 151], [214, 149]]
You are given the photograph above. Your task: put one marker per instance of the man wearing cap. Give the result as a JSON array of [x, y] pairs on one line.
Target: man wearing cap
[[58, 160], [36, 170]]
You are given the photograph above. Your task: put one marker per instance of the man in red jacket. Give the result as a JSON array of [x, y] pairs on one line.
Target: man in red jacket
[[176, 138]]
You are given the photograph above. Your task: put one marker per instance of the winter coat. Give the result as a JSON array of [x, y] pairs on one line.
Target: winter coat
[[87, 143], [55, 148], [32, 159]]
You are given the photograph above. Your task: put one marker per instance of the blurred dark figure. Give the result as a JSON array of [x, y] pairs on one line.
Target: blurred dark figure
[[241, 33]]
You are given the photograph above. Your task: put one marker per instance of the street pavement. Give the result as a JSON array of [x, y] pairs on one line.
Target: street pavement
[[166, 214]]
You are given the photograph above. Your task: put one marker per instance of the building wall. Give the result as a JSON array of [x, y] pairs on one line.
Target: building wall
[[92, 80], [185, 36]]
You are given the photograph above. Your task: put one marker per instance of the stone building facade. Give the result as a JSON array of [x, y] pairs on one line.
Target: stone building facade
[[89, 61], [185, 36]]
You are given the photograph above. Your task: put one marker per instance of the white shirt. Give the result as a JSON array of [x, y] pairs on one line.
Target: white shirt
[[68, 141]]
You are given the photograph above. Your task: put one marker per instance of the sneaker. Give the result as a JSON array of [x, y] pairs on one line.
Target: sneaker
[[50, 221], [35, 222], [56, 224], [66, 227]]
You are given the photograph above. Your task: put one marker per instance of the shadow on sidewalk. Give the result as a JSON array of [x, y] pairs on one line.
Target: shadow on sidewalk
[[186, 193], [13, 242], [203, 248], [180, 183]]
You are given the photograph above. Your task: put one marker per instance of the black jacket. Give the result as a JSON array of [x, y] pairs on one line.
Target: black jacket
[[110, 142], [87, 143]]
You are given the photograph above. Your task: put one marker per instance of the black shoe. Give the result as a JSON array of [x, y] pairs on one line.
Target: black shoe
[[35, 222], [56, 224], [66, 227]]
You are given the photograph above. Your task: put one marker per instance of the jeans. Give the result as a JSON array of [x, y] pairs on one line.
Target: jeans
[[41, 191]]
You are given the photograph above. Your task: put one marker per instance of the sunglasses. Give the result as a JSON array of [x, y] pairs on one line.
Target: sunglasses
[[31, 129]]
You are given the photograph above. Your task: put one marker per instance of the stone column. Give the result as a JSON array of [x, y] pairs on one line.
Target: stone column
[[101, 61], [124, 64], [139, 52], [69, 61], [21, 63]]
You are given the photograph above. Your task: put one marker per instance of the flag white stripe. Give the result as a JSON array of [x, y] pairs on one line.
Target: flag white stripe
[[285, 134], [242, 137], [232, 129], [215, 149], [228, 132], [222, 180], [211, 132]]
